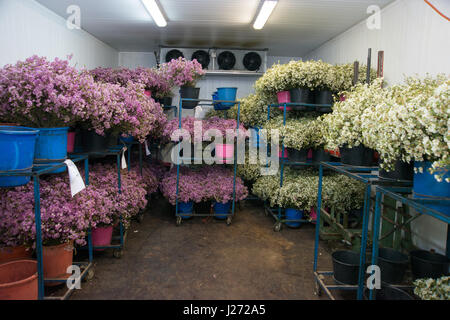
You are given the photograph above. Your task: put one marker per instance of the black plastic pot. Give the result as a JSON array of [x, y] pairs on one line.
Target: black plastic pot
[[323, 97], [345, 266], [301, 95], [295, 155], [402, 171], [166, 101], [393, 265], [388, 293], [360, 156], [203, 207], [425, 264], [189, 93], [93, 142], [320, 155]]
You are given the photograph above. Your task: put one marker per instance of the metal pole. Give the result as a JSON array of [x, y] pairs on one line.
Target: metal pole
[[319, 208], [376, 233], [369, 65], [37, 217], [362, 254]]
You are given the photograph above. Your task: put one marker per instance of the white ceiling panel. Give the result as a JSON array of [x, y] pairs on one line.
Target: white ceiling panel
[[295, 27]]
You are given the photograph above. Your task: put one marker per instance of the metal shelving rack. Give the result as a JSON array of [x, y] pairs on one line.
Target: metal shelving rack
[[36, 174], [206, 102], [114, 151], [368, 176], [277, 214], [420, 205]]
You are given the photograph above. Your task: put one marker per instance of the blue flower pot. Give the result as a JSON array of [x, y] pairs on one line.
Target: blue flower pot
[[17, 145], [427, 187], [127, 139], [186, 208], [227, 94], [293, 214], [221, 210], [51, 148]]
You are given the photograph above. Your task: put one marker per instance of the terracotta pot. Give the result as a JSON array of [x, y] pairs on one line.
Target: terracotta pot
[[18, 280], [14, 253], [56, 261]]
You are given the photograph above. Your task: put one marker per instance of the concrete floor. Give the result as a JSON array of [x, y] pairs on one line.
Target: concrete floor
[[206, 259]]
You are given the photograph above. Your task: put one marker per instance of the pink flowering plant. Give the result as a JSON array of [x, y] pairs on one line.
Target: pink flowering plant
[[219, 181], [191, 186], [202, 184], [66, 219], [183, 72], [41, 93], [220, 125]]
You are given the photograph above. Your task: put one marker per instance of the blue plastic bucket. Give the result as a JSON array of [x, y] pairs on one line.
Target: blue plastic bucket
[[127, 139], [427, 187], [293, 214], [227, 94], [51, 148], [223, 209], [17, 145], [255, 136], [185, 207]]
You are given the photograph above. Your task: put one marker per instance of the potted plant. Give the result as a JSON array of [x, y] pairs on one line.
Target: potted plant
[[433, 289], [184, 74], [220, 189], [345, 129], [191, 189]]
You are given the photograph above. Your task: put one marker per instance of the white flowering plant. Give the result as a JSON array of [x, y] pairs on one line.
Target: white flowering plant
[[411, 124], [345, 126], [300, 187], [433, 289]]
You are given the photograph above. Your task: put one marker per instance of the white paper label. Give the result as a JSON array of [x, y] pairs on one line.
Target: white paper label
[[199, 113], [147, 151], [76, 182], [124, 162]]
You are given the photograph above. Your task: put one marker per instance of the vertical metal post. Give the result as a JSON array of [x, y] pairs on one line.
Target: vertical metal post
[[362, 254], [376, 234], [86, 171], [448, 241], [319, 208], [129, 156], [140, 158], [178, 160], [369, 65], [235, 159], [39, 254]]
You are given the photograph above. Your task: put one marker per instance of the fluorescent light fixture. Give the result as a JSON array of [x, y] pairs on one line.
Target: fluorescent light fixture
[[155, 12], [264, 13]]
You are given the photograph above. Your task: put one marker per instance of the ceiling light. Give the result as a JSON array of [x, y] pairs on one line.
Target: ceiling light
[[264, 13], [155, 12]]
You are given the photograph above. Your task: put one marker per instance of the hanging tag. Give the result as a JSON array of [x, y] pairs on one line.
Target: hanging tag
[[147, 151], [124, 162], [76, 182]]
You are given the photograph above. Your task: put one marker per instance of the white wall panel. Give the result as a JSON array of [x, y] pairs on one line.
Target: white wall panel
[[28, 28], [416, 41], [414, 37]]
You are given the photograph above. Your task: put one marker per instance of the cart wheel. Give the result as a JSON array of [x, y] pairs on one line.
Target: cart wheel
[[229, 220], [179, 221], [318, 291], [277, 227], [140, 218], [89, 275], [118, 253]]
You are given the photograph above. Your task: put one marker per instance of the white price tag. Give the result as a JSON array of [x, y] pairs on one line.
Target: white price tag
[[147, 151], [76, 182], [124, 162]]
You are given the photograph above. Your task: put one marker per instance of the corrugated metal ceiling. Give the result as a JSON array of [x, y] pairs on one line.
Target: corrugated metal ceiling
[[295, 28]]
